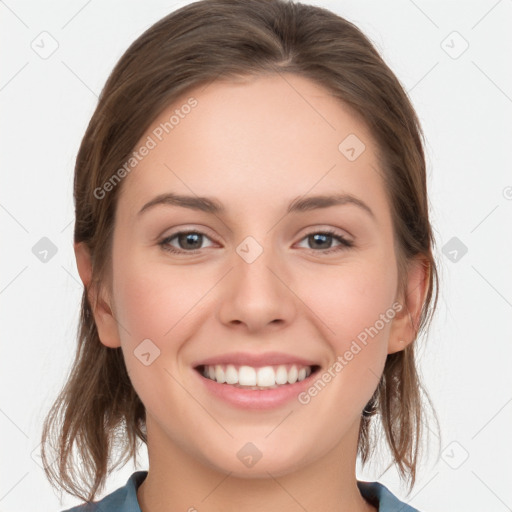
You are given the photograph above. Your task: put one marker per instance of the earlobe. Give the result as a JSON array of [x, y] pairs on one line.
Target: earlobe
[[106, 324], [404, 328]]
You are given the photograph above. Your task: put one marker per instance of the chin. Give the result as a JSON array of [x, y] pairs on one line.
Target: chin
[[276, 465]]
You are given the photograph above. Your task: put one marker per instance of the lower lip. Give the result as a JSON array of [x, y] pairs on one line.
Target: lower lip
[[256, 398]]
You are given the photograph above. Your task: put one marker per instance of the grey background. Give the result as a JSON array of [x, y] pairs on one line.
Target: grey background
[[464, 101]]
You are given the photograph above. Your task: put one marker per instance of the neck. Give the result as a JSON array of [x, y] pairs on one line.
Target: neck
[[177, 481]]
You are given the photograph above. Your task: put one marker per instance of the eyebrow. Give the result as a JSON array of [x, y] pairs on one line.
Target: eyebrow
[[300, 204]]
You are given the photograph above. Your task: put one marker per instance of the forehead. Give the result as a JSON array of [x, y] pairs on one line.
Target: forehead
[[262, 138]]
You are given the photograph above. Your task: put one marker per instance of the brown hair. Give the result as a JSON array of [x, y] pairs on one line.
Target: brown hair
[[98, 408]]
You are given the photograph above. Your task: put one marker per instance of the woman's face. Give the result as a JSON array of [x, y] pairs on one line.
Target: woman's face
[[257, 283]]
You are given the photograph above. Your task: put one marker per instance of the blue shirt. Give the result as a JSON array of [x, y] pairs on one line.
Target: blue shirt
[[124, 499]]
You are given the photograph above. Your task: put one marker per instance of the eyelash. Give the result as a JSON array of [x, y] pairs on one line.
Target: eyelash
[[345, 244]]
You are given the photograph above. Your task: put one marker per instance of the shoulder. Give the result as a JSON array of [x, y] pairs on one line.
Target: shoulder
[[123, 499], [380, 496]]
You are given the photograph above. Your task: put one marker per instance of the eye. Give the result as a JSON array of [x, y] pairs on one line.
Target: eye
[[190, 242], [186, 240], [322, 240]]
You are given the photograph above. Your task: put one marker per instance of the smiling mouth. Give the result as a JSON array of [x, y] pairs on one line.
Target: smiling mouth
[[257, 378]]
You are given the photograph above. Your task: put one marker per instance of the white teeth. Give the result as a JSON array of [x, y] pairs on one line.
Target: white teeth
[[256, 378], [281, 375], [292, 375], [247, 376], [231, 374], [265, 376], [219, 374]]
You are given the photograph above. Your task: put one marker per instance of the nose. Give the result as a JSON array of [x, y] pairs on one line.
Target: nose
[[258, 296]]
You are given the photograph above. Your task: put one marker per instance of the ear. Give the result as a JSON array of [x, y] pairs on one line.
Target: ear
[[106, 324], [404, 328]]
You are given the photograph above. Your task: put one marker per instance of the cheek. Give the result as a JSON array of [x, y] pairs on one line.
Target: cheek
[[350, 299], [162, 306], [156, 304], [354, 305]]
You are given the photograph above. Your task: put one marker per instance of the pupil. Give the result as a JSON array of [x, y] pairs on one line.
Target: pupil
[[320, 238], [191, 238]]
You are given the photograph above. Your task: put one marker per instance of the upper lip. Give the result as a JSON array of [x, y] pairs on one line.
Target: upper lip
[[255, 360]]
